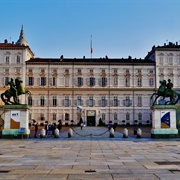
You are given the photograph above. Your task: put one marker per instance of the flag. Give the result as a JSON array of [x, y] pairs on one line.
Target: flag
[[91, 49]]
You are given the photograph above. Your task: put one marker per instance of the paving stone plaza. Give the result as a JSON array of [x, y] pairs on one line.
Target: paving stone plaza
[[90, 154]]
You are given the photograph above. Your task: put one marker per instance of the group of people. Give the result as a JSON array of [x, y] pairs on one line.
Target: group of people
[[49, 128]]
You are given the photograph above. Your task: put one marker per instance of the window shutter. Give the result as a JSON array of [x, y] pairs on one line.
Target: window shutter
[[69, 102], [88, 81], [81, 102], [63, 102], [99, 102], [112, 102], [75, 102], [118, 102], [106, 82], [87, 102], [100, 82], [51, 81], [93, 102]]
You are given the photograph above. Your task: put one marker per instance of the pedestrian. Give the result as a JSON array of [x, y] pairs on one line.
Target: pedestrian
[[60, 125], [82, 125], [36, 129], [114, 126], [46, 128], [109, 126], [52, 129]]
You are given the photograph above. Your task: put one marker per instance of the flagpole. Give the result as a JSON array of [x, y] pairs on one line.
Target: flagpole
[[91, 49]]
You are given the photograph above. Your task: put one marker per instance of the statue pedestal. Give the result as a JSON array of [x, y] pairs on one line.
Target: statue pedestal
[[164, 121], [16, 121]]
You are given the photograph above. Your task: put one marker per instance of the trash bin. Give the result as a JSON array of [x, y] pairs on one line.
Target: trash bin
[[135, 131]]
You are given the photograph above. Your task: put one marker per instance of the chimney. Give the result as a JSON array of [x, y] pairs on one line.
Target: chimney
[[5, 41]]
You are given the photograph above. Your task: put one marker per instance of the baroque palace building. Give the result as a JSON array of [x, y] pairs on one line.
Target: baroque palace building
[[117, 89]]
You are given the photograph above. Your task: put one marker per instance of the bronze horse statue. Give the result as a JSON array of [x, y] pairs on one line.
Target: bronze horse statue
[[165, 90], [14, 92]]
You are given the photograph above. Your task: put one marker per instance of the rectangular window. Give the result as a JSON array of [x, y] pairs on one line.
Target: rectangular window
[[140, 116], [79, 101], [161, 60], [17, 70], [127, 116], [66, 81], [127, 101], [115, 116], [115, 101], [42, 117], [43, 81], [103, 101], [103, 116], [29, 100], [54, 101], [30, 70], [6, 80], [127, 71], [54, 81], [91, 101], [54, 71], [151, 82], [18, 59], [92, 81], [80, 81], [31, 81], [127, 81], [139, 81], [115, 81], [104, 82], [115, 71], [42, 70], [79, 70], [66, 70], [91, 70], [66, 101], [54, 117], [7, 60], [139, 101], [42, 101]]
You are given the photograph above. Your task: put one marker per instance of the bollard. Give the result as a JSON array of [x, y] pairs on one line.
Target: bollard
[[56, 133], [70, 133], [125, 133], [111, 133], [139, 133], [43, 133]]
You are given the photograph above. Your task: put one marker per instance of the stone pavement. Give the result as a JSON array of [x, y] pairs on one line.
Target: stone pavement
[[94, 157]]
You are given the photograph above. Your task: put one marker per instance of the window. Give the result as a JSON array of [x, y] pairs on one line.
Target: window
[[139, 81], [54, 81], [127, 81], [115, 71], [103, 116], [115, 116], [139, 70], [91, 70], [115, 101], [161, 60], [79, 101], [6, 80], [42, 101], [151, 82], [151, 71], [42, 70], [115, 81], [66, 101], [29, 100], [170, 60], [54, 116], [103, 71], [66, 70], [6, 71], [54, 101], [80, 81], [30, 70], [42, 117], [66, 117], [127, 116], [31, 81], [91, 101], [17, 70], [103, 101], [104, 81], [127, 101], [139, 101], [66, 81], [92, 81], [79, 70], [54, 71], [43, 81], [7, 60], [140, 116], [18, 59], [127, 71]]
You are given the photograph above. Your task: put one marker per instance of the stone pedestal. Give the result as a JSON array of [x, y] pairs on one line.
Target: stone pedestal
[[164, 121], [16, 121]]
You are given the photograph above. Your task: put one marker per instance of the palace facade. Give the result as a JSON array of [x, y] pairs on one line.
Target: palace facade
[[113, 89]]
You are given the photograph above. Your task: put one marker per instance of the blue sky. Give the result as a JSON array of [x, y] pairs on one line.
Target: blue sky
[[119, 28]]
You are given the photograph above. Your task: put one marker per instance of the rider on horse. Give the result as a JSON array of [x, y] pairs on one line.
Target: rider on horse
[[13, 87]]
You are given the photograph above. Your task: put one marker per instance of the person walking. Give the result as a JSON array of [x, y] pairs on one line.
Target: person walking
[[36, 130]]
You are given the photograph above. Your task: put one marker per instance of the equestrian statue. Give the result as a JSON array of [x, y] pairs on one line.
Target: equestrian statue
[[15, 90], [165, 90]]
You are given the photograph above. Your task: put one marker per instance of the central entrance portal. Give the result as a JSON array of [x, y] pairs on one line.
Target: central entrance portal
[[91, 118]]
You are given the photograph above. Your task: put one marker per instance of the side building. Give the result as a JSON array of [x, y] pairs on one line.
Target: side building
[[113, 89]]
